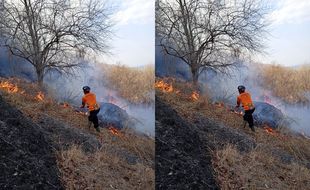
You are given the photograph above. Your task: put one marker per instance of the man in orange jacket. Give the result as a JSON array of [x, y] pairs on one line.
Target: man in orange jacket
[[245, 99], [89, 99]]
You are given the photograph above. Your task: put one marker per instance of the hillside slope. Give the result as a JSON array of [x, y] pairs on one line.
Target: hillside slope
[[27, 159], [197, 129], [179, 164], [78, 157]]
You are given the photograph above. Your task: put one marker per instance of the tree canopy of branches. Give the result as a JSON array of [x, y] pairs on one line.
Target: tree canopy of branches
[[210, 33], [55, 34]]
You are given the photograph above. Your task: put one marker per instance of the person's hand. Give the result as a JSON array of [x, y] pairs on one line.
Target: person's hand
[[236, 107]]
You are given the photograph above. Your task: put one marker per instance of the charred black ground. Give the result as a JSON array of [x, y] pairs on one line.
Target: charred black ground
[[27, 158], [185, 146], [179, 164]]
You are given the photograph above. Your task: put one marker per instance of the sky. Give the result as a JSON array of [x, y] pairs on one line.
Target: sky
[[289, 43], [134, 41]]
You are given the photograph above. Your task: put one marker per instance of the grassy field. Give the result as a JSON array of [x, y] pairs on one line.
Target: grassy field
[[290, 84], [262, 167], [99, 170], [133, 84]]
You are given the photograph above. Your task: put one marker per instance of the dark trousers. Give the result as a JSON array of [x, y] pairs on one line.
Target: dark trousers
[[93, 117], [249, 117]]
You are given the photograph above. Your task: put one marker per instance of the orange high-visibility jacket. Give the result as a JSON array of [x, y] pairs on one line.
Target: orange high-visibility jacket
[[90, 100], [246, 101]]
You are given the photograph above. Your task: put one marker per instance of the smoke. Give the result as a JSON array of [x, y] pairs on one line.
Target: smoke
[[14, 66], [69, 89], [145, 116], [223, 87], [166, 65]]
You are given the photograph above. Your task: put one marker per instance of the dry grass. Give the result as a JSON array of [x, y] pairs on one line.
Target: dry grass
[[259, 169], [291, 85], [75, 166], [134, 84], [101, 170]]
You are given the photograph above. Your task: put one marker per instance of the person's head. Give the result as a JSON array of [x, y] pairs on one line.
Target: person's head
[[241, 89], [86, 89]]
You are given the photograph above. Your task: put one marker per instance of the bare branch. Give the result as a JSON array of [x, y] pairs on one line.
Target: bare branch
[[55, 34], [210, 33]]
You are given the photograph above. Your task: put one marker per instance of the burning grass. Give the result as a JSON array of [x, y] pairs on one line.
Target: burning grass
[[133, 84], [80, 170], [275, 163], [291, 85]]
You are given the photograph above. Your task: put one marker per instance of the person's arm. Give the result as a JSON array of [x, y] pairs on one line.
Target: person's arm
[[238, 102], [83, 103]]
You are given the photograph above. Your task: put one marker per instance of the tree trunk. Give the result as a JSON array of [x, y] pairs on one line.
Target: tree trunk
[[195, 75], [40, 76]]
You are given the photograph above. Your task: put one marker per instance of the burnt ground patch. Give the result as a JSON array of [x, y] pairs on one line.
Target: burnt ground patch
[[182, 159], [27, 159], [216, 135], [184, 146]]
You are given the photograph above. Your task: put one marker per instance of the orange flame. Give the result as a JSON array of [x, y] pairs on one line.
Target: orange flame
[[9, 87], [114, 131], [165, 87], [40, 96], [269, 130], [195, 96]]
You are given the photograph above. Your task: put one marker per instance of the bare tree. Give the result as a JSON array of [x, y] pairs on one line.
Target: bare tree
[[55, 34], [210, 33]]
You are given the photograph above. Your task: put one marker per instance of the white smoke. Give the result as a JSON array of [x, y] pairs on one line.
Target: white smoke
[[69, 89], [224, 88]]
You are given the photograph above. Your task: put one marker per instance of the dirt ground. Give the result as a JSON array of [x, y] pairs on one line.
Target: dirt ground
[[27, 159], [182, 160]]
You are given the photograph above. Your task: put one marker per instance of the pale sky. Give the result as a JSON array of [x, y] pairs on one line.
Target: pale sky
[[289, 43], [134, 44]]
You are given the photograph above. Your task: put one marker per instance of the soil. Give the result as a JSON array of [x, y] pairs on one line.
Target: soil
[[184, 147], [182, 160], [216, 135], [64, 136], [28, 150], [27, 159]]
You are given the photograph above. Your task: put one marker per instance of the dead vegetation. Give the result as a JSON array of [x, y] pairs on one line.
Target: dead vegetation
[[289, 84], [133, 84], [101, 169], [257, 170], [281, 159]]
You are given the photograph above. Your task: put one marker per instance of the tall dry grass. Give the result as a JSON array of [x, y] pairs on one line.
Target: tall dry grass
[[257, 170], [289, 84], [134, 84]]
